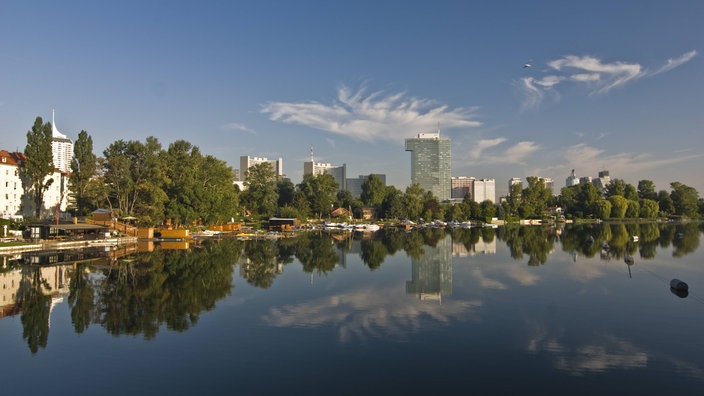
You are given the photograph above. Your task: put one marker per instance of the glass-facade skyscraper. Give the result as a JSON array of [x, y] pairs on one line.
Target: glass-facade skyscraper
[[431, 164]]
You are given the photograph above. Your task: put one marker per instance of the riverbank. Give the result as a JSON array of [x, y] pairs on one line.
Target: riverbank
[[59, 245]]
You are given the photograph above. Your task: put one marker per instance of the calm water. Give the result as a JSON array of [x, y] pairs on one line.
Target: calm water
[[480, 311]]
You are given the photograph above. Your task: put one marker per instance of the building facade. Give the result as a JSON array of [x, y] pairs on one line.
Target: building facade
[[460, 187], [484, 190], [61, 148], [431, 163], [354, 186], [246, 162], [318, 168]]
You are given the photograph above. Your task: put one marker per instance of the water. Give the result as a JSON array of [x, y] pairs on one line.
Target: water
[[483, 311]]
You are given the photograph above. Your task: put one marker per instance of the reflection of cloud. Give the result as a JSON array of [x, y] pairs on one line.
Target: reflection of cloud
[[522, 274], [585, 271], [368, 312], [371, 117], [600, 354], [485, 281]]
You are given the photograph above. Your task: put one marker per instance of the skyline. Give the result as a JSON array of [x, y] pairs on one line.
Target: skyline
[[611, 86]]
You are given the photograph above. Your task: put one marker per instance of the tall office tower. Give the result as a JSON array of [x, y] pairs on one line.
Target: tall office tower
[[431, 163], [246, 162], [61, 148], [572, 180], [484, 189], [461, 186], [338, 172]]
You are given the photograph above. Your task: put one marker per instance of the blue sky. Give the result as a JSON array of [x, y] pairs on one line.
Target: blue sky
[[615, 85]]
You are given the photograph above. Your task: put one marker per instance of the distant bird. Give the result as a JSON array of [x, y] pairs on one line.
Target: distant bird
[[528, 64]]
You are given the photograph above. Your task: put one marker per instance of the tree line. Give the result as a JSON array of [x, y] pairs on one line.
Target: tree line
[[186, 187]]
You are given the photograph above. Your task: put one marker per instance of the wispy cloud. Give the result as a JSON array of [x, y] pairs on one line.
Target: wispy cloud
[[599, 76], [486, 151], [627, 163], [372, 117], [673, 63], [236, 126]]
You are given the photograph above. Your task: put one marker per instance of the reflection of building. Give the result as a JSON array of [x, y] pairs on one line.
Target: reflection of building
[[431, 165], [481, 247], [56, 286], [432, 273]]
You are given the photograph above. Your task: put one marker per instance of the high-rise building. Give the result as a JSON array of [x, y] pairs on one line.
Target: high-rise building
[[338, 172], [484, 189], [572, 180], [461, 186], [246, 162], [61, 148], [548, 181], [431, 163]]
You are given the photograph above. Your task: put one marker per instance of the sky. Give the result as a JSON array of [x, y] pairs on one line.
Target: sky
[[611, 85]]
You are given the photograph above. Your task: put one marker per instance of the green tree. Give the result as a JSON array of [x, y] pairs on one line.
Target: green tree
[[665, 203], [413, 201], [685, 199], [320, 192], [392, 205], [488, 209], [260, 196], [38, 163], [134, 176], [602, 209], [633, 209], [619, 206], [615, 187], [373, 191], [83, 171], [646, 190], [648, 208]]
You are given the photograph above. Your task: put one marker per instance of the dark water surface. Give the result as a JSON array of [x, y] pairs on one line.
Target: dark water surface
[[513, 310]]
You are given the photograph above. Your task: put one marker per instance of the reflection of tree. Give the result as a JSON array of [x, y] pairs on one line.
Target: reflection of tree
[[81, 299], [35, 307], [686, 239], [261, 267], [536, 242], [373, 253], [138, 295], [316, 253]]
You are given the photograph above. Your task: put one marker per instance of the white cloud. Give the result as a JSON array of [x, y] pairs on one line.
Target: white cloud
[[599, 76], [673, 63], [515, 154], [372, 117], [477, 149], [236, 126]]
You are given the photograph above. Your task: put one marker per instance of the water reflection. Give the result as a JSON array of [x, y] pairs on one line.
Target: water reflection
[[138, 293]]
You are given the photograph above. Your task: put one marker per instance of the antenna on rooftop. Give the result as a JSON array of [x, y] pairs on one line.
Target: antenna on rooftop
[[311, 154]]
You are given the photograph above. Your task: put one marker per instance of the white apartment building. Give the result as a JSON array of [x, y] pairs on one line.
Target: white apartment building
[[483, 190], [246, 162]]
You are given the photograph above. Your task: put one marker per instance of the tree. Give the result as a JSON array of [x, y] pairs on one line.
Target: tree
[[619, 206], [633, 209], [646, 190], [38, 163], [261, 196], [648, 208], [373, 191], [413, 201], [320, 191], [665, 203], [83, 170], [615, 187], [135, 179], [392, 205], [685, 199]]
